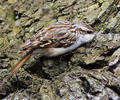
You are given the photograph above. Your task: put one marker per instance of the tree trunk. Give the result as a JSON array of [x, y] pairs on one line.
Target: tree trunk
[[92, 72]]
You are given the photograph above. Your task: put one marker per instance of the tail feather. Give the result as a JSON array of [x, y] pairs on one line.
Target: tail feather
[[21, 62]]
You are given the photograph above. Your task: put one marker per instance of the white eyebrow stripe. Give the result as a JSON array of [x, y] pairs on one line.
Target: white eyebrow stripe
[[82, 27]]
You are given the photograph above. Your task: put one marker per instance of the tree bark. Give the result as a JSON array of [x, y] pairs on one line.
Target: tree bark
[[92, 72]]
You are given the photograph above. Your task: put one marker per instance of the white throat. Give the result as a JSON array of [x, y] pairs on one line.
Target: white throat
[[81, 40]]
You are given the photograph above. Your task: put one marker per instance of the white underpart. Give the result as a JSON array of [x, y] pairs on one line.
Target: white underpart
[[81, 40]]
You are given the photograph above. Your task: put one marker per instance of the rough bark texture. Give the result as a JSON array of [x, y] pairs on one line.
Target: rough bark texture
[[90, 73]]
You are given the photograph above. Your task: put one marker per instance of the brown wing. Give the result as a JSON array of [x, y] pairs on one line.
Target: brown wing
[[60, 34]]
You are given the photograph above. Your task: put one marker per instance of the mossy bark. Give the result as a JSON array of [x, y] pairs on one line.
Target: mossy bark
[[92, 72]]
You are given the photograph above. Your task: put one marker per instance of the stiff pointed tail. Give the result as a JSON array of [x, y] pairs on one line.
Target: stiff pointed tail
[[21, 62]]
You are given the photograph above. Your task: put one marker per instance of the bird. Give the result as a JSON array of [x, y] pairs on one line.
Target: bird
[[57, 39]]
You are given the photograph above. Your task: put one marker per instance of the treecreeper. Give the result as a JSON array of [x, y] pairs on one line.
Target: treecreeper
[[60, 38]]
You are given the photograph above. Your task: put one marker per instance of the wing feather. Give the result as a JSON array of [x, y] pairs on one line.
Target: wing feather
[[58, 35]]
